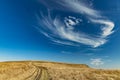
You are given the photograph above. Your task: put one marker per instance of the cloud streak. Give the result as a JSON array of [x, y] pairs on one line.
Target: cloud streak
[[63, 31], [97, 62], [107, 26]]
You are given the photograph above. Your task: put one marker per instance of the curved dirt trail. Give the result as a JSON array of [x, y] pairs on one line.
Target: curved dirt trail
[[39, 74], [44, 74], [36, 73], [53, 71]]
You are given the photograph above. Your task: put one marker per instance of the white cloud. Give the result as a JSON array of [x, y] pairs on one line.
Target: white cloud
[[107, 26], [80, 37], [59, 30], [62, 32], [64, 43], [97, 62], [77, 6], [80, 7]]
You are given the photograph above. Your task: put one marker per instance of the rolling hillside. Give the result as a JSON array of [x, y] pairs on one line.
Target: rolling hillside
[[41, 70]]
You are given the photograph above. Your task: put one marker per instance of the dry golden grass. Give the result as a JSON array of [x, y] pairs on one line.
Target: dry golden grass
[[41, 70]]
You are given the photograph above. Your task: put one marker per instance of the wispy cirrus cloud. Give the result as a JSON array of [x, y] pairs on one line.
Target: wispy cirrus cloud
[[62, 30], [80, 7], [97, 62], [106, 26]]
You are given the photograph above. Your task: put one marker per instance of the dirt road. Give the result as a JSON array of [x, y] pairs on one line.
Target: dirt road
[[53, 71], [36, 73], [39, 74]]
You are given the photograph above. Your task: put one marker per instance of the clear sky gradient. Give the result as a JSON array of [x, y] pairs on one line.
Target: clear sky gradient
[[21, 40]]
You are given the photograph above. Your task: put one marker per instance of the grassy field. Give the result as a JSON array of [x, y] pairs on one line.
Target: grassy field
[[41, 70]]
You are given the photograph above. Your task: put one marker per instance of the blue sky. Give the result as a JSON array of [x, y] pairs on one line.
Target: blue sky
[[31, 30]]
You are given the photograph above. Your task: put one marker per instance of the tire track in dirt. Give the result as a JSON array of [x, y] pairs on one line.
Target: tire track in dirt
[[39, 74], [32, 76], [44, 74]]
